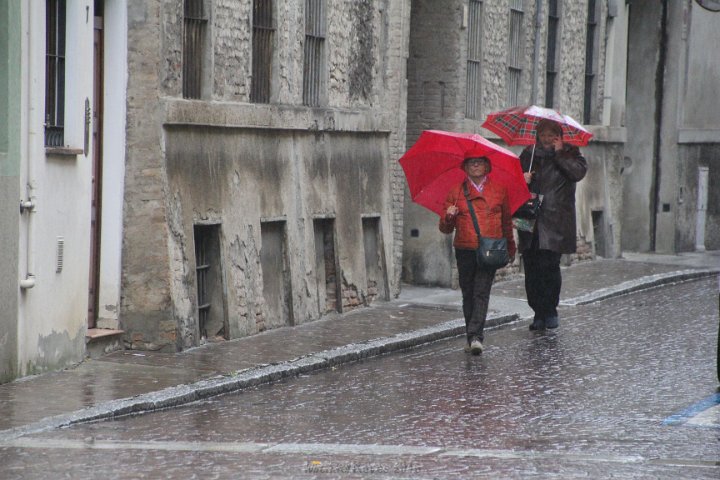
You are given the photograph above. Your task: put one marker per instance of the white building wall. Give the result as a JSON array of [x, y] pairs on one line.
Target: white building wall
[[53, 313]]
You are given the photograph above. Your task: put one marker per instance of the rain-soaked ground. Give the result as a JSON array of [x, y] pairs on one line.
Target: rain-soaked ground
[[603, 396]]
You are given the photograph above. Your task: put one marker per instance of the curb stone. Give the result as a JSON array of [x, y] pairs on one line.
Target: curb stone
[[642, 283]]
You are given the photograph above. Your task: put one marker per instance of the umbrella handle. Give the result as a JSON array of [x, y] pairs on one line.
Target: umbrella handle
[[532, 157]]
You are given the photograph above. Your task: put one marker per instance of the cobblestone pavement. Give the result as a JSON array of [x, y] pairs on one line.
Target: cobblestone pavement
[[130, 380], [613, 393]]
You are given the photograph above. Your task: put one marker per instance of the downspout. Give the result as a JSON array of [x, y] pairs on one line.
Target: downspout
[[536, 55], [659, 97], [27, 205]]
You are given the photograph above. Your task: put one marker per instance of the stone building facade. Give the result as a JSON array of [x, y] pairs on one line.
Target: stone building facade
[[248, 205]]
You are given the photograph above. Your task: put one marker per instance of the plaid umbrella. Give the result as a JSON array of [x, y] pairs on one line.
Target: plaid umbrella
[[516, 125]]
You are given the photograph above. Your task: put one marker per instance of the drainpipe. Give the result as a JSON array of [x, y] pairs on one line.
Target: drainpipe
[[27, 205], [659, 97], [536, 59]]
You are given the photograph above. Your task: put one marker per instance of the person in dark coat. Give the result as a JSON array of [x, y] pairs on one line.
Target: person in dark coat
[[492, 209], [552, 168]]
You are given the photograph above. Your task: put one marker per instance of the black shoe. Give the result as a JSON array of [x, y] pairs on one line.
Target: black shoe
[[552, 322], [537, 324]]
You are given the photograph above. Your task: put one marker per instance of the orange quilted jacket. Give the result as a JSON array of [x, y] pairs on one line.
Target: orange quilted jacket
[[491, 209]]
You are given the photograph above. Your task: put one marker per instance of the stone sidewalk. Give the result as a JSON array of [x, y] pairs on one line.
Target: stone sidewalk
[[128, 382]]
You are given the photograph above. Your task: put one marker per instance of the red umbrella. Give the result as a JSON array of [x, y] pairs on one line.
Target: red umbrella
[[516, 125], [433, 165]]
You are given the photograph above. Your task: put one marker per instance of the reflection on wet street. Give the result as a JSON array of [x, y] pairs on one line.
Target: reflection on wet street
[[588, 400]]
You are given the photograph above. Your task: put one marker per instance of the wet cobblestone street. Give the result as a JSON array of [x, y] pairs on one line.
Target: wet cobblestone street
[[586, 401]]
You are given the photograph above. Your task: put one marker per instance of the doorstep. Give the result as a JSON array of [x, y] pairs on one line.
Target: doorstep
[[101, 341]]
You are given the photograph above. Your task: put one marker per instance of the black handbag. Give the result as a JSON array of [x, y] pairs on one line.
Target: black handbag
[[491, 252], [524, 217], [529, 209]]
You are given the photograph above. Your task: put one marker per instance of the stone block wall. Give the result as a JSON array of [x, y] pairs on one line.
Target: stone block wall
[[224, 161]]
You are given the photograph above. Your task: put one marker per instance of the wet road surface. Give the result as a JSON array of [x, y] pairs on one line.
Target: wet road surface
[[605, 395]]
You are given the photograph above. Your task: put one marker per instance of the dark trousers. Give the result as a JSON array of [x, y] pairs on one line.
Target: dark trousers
[[542, 281], [475, 283]]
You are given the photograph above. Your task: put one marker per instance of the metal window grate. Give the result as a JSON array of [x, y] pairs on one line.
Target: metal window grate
[[552, 42], [515, 52], [314, 51], [55, 73], [590, 62], [202, 270], [472, 98], [263, 35], [195, 24]]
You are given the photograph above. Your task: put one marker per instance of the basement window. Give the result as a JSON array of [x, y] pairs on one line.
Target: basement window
[[212, 322]]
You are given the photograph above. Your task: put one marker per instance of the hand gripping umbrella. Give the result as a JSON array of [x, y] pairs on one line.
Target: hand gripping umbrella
[[516, 125], [433, 165]]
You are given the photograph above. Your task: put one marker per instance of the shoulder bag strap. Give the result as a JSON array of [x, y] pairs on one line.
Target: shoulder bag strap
[[472, 210]]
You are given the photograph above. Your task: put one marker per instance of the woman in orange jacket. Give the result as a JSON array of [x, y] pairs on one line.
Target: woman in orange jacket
[[490, 202]]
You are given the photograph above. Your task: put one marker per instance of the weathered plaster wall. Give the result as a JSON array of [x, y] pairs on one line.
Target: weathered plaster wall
[[240, 177], [672, 128], [601, 191], [639, 174], [698, 128], [692, 157]]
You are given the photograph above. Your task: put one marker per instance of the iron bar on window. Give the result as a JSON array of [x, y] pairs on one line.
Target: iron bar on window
[[474, 57], [590, 62], [263, 34], [515, 51], [55, 73], [193, 40], [314, 51], [552, 39]]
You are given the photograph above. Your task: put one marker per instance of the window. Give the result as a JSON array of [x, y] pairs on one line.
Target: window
[[590, 53], [212, 321], [314, 51], [474, 56], [263, 33], [326, 266], [54, 73], [516, 47], [552, 53], [195, 23]]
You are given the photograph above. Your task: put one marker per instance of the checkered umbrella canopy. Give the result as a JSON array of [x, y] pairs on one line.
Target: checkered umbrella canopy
[[516, 125]]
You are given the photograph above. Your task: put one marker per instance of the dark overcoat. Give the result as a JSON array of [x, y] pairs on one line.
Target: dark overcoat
[[556, 174]]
